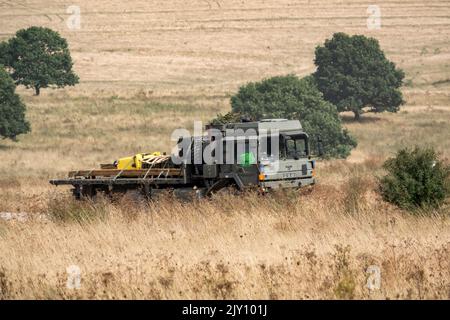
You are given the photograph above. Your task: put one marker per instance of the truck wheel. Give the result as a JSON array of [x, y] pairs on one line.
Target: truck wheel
[[135, 196], [221, 185], [88, 191]]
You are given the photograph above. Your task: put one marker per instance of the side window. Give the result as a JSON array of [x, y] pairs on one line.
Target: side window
[[295, 147], [301, 147], [282, 148], [291, 148]]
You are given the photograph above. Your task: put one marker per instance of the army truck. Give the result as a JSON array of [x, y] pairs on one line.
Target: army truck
[[263, 155]]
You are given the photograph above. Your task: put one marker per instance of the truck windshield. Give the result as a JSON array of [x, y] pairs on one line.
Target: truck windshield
[[294, 147]]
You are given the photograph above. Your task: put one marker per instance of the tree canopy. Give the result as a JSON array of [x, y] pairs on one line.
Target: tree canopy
[[12, 110], [354, 74], [293, 98], [38, 58]]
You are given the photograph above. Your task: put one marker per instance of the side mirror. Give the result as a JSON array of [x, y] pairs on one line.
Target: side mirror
[[320, 147]]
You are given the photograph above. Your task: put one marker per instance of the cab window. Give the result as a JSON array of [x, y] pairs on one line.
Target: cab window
[[295, 147]]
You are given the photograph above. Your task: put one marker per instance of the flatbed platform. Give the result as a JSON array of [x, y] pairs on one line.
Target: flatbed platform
[[133, 173], [100, 178], [121, 181]]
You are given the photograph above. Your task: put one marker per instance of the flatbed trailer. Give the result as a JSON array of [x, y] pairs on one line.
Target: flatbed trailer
[[88, 182]]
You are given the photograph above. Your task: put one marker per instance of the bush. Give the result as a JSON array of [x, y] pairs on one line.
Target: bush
[[12, 109], [293, 98], [416, 179]]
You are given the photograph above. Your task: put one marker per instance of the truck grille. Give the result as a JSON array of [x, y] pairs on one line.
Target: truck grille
[[304, 169]]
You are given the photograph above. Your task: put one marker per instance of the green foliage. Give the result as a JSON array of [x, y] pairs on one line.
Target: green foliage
[[230, 117], [354, 74], [4, 53], [12, 110], [38, 58], [416, 178], [293, 98]]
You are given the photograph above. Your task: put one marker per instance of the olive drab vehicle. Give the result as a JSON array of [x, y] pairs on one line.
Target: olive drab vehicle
[[263, 155]]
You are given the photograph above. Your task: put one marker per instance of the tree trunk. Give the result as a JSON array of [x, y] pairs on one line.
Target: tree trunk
[[38, 90], [357, 115]]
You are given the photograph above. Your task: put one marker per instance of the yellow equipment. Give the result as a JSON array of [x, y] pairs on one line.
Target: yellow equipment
[[139, 160], [126, 163]]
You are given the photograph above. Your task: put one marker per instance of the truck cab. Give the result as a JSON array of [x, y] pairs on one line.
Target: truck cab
[[293, 168], [276, 155]]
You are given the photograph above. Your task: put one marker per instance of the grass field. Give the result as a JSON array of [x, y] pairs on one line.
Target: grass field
[[148, 67]]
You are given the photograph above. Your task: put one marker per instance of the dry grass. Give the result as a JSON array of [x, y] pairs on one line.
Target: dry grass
[[317, 243], [199, 49], [283, 246], [147, 67]]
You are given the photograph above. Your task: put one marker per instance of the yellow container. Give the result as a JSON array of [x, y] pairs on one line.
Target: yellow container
[[126, 163], [129, 163], [138, 160]]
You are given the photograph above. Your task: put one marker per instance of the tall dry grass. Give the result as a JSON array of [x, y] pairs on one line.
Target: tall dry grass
[[316, 243]]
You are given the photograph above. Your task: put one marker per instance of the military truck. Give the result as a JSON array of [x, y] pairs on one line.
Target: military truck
[[263, 155]]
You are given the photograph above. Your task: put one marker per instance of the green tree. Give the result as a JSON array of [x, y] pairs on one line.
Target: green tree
[[4, 53], [38, 58], [12, 110], [415, 178], [293, 98], [354, 74]]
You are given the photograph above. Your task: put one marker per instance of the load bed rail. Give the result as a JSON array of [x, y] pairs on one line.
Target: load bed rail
[[111, 182], [136, 173], [87, 182]]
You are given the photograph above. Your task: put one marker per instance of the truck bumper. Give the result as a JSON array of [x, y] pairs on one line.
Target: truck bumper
[[294, 183]]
